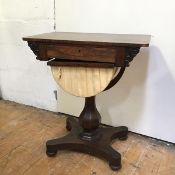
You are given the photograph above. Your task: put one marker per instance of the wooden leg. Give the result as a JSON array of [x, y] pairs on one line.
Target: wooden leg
[[98, 146]]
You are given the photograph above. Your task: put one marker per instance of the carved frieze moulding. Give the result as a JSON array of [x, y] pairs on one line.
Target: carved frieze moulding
[[35, 48], [130, 53]]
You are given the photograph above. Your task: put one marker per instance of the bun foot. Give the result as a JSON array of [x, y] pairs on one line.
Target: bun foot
[[123, 138], [51, 153], [114, 167]]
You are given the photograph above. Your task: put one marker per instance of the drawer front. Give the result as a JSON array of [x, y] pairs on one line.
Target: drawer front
[[82, 53]]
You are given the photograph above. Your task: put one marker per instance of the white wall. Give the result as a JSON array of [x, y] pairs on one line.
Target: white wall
[[22, 78], [143, 100]]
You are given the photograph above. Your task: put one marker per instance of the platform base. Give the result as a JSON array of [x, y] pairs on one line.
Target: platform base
[[96, 143]]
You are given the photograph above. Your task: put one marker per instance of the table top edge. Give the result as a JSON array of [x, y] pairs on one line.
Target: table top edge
[[40, 39]]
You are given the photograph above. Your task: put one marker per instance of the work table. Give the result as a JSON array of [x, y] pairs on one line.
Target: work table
[[84, 65]]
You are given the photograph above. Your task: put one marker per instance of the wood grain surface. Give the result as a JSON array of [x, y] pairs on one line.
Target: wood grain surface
[[98, 39], [24, 131], [74, 63], [83, 81], [82, 53]]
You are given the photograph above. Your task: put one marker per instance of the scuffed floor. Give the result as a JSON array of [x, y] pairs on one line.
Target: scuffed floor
[[24, 131]]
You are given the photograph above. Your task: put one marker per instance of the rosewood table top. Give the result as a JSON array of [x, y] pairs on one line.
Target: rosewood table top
[[99, 39]]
